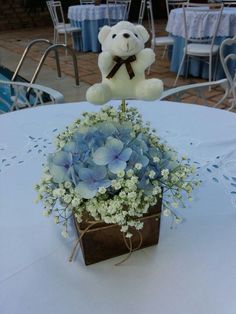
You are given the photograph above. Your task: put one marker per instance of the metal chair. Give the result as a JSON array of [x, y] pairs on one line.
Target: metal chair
[[60, 27], [20, 95], [173, 4], [227, 44], [112, 20], [141, 11], [87, 2], [229, 3], [157, 41], [201, 46], [208, 93]]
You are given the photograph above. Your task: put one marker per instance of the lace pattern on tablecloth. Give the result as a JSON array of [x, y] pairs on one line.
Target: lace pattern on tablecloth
[[93, 12], [201, 24]]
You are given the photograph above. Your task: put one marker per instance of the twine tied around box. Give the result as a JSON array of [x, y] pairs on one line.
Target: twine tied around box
[[127, 241]]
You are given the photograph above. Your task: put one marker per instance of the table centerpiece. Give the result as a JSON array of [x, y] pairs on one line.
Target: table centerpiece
[[110, 169]]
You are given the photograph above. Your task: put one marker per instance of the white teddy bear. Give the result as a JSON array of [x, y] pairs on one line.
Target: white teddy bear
[[122, 63]]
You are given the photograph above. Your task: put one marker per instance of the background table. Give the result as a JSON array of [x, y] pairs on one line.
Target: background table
[[175, 27], [90, 18], [192, 270]]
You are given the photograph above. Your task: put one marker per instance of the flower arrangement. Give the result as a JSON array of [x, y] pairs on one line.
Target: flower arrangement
[[112, 167]]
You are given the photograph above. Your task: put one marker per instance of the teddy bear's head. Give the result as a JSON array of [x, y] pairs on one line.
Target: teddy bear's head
[[123, 39]]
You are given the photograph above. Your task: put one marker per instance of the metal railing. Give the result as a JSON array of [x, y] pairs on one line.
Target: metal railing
[[26, 51], [55, 48], [52, 47]]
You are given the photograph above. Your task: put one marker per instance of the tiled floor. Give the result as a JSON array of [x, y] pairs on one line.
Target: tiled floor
[[16, 41]]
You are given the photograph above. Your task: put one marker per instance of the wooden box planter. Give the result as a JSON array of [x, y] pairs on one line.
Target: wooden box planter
[[103, 241]]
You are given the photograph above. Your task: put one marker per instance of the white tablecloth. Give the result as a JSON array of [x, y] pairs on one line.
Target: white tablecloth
[[191, 271], [227, 27], [95, 12]]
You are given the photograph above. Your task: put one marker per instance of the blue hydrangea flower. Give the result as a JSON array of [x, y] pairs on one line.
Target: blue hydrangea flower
[[91, 180], [112, 154], [60, 166]]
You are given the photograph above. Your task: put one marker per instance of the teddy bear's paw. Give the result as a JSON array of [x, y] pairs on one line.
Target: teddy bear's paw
[[98, 94], [149, 89], [105, 60], [147, 57]]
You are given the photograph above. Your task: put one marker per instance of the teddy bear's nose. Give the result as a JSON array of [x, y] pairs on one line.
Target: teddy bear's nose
[[126, 35]]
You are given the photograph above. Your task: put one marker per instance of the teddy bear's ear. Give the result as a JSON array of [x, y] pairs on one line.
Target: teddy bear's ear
[[143, 32], [103, 33]]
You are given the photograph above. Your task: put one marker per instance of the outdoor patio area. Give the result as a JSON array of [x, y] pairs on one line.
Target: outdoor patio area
[[13, 43]]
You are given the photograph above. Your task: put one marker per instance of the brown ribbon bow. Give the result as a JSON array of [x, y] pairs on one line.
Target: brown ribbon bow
[[119, 61]]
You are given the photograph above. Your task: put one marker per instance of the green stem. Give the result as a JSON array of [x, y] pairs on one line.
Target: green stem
[[123, 106]]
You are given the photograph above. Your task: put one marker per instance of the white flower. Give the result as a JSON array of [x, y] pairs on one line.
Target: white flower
[[64, 233], [124, 228], [131, 195], [75, 202], [175, 204], [138, 166], [67, 199], [165, 173], [121, 174], [67, 184], [102, 190], [116, 184], [46, 212], [58, 192], [56, 219], [166, 212], [129, 173], [156, 159], [152, 174], [46, 177], [178, 220], [128, 235]]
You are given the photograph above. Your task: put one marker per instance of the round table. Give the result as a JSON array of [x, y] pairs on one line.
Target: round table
[[192, 270], [90, 18], [175, 27]]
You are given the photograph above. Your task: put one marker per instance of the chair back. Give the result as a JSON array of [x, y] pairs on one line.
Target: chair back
[[200, 93], [227, 56], [21, 95], [173, 4], [126, 8], [56, 12], [229, 3], [87, 2], [141, 11], [151, 24], [210, 15]]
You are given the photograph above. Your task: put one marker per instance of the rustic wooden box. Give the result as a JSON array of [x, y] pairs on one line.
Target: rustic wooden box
[[103, 241]]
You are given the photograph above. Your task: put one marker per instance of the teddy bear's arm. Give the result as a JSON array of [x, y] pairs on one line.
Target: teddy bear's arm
[[145, 58], [105, 61]]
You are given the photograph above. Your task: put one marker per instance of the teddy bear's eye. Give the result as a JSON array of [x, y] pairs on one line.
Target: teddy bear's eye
[[114, 35], [136, 35]]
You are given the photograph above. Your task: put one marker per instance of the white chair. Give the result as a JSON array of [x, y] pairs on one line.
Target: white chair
[[112, 20], [87, 2], [20, 95], [202, 46], [157, 41], [60, 27], [173, 4], [229, 3], [208, 93], [225, 58], [141, 11]]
